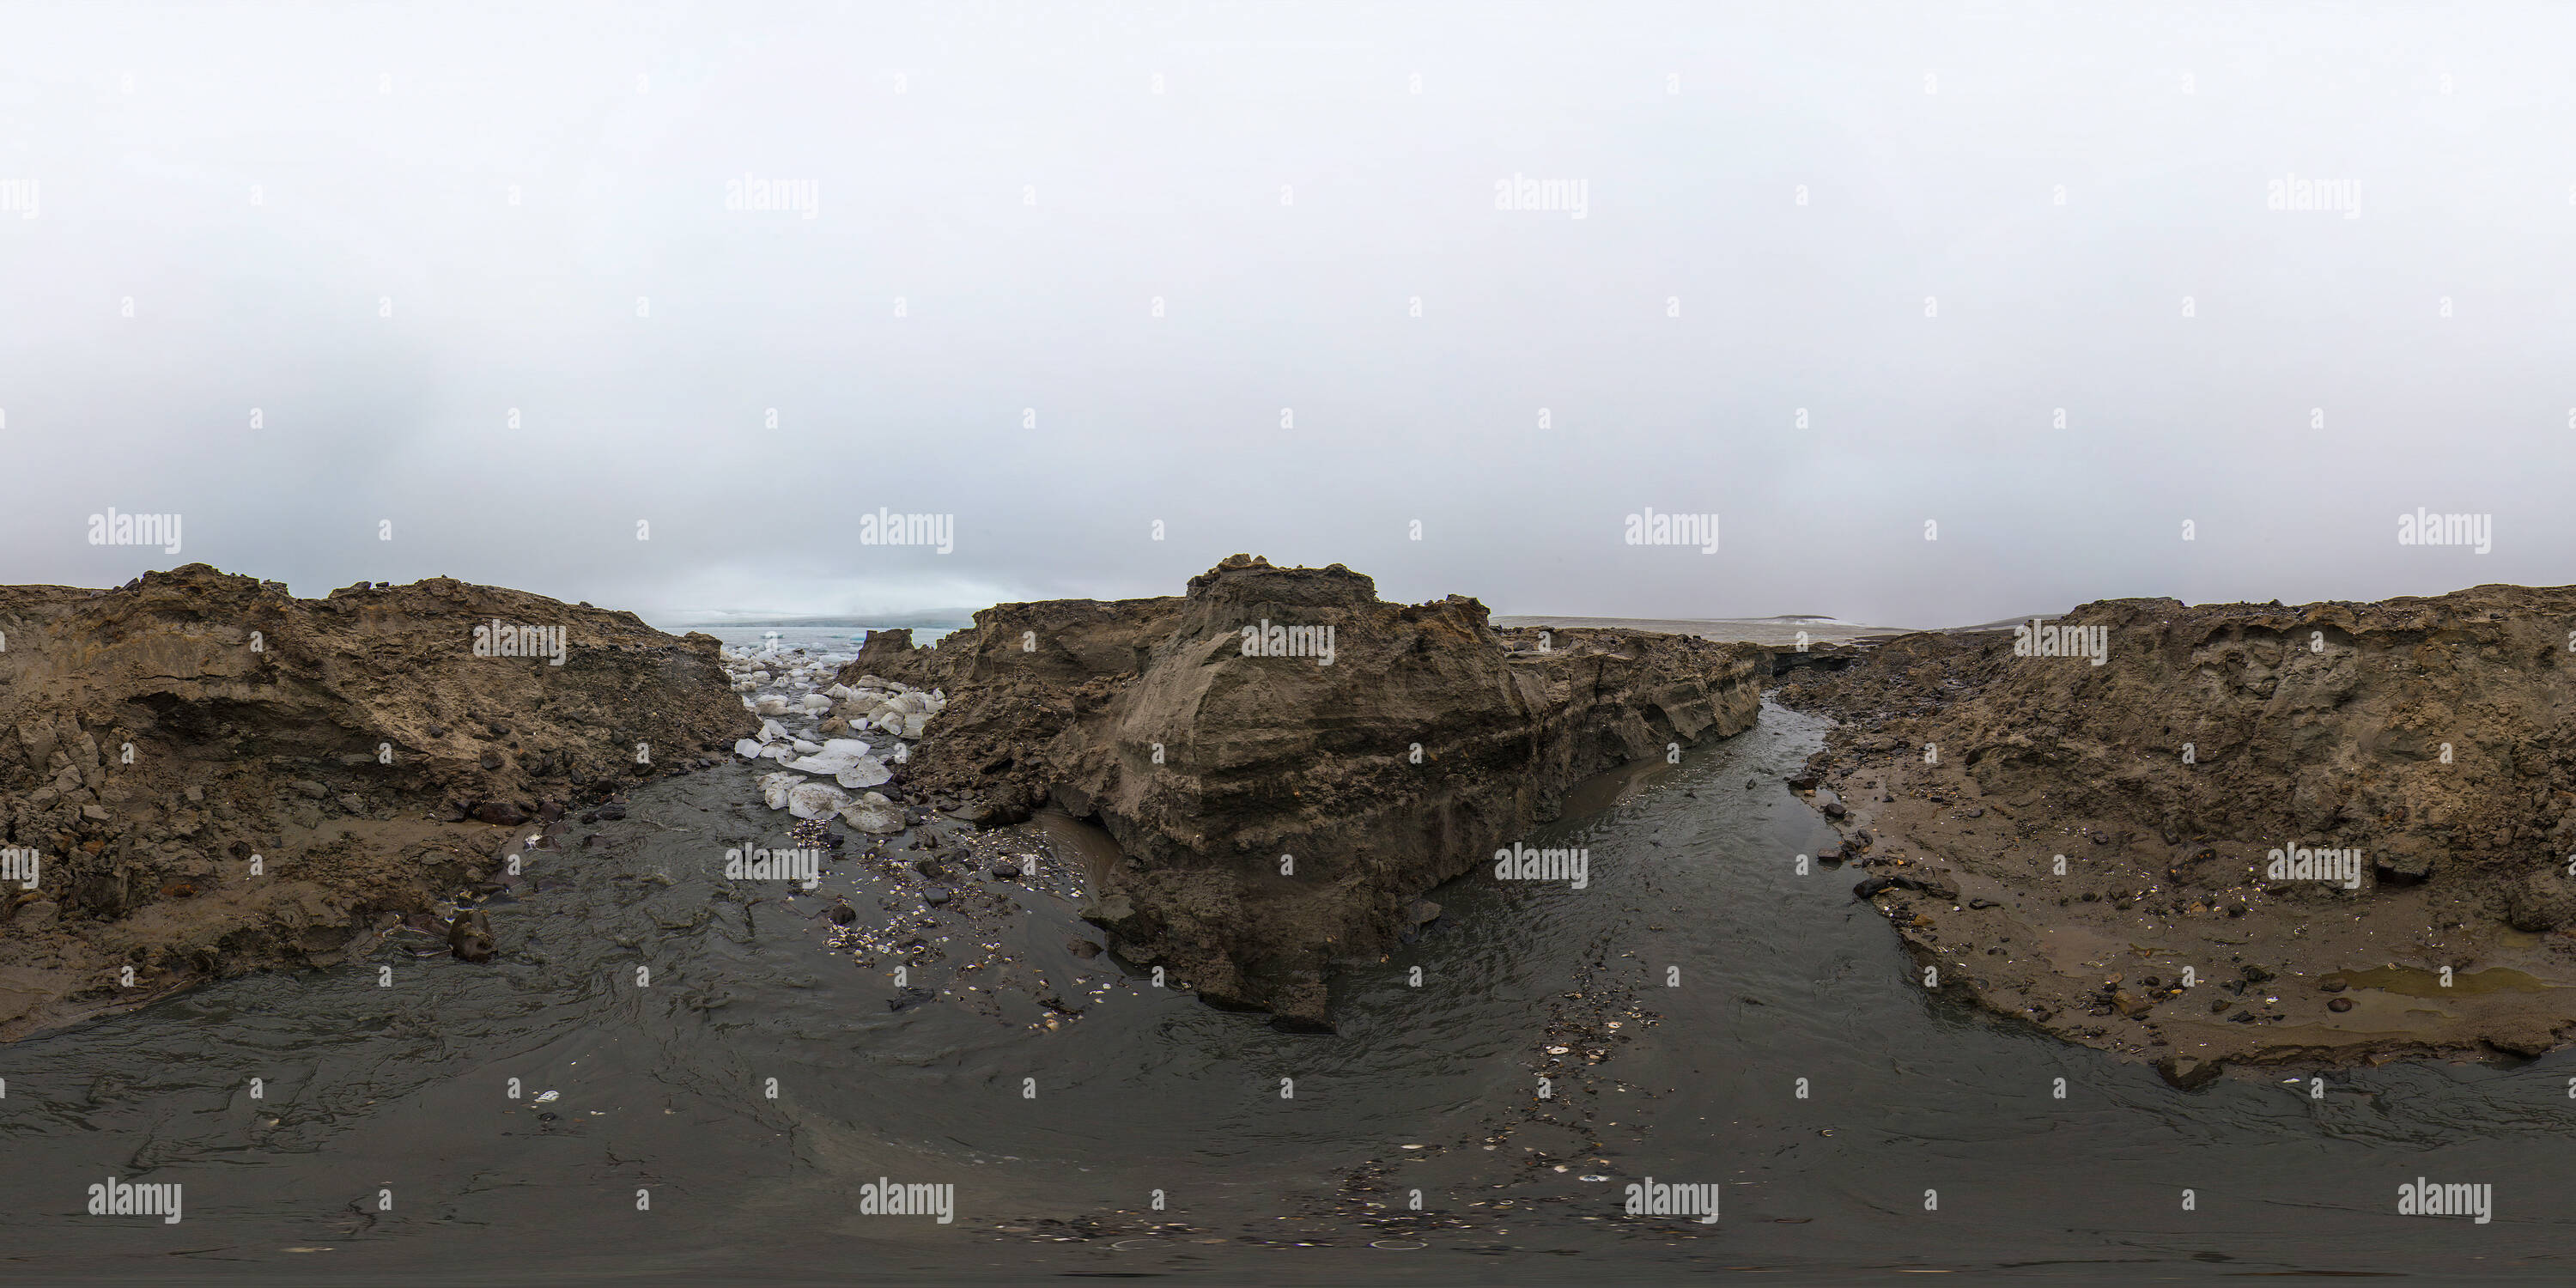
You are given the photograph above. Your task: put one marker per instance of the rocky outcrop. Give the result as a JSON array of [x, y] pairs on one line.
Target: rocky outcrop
[[169, 736], [890, 653], [2412, 761], [1282, 797]]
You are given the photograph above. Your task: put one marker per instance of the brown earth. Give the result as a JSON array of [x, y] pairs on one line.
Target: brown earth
[[1277, 814], [2436, 736], [169, 733]]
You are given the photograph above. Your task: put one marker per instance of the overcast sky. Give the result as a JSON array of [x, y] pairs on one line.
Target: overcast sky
[[1929, 226]]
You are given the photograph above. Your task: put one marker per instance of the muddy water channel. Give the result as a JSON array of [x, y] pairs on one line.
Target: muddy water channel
[[710, 1071]]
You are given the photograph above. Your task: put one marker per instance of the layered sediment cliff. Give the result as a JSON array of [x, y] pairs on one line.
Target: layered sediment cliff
[[366, 751], [2410, 764], [1288, 762]]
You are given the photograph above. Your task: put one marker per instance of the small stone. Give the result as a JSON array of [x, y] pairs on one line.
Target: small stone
[[309, 788], [504, 813], [470, 936], [1006, 870], [2187, 1073], [936, 896], [2339, 1005]]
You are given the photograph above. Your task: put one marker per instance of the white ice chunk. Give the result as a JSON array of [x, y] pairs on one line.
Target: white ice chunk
[[868, 771], [815, 800], [774, 788], [875, 815], [825, 762]]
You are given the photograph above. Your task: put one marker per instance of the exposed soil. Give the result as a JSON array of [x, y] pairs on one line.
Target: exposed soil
[[1277, 813], [2432, 735], [217, 777]]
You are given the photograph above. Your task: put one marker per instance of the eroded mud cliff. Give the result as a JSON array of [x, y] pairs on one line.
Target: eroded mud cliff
[[168, 737], [2410, 764], [1282, 798]]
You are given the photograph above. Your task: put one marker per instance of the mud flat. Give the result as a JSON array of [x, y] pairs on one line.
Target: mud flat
[[2330, 834], [1286, 762], [214, 776]]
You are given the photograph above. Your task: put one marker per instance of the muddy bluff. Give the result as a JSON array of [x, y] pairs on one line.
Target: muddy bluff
[[2317, 810], [360, 747], [1287, 762]]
